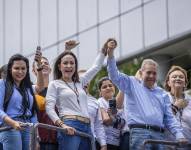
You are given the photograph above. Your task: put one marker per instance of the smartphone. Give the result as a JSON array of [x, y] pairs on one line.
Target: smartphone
[[38, 49], [112, 105]]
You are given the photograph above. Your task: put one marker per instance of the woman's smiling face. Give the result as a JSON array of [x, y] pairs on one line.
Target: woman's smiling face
[[107, 89], [67, 67]]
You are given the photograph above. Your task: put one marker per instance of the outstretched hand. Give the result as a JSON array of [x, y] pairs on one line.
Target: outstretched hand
[[71, 44]]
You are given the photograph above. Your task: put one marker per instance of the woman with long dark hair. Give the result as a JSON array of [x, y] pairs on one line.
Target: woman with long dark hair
[[67, 93], [17, 102]]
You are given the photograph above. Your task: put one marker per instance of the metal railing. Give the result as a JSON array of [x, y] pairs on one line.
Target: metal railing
[[164, 142], [34, 133]]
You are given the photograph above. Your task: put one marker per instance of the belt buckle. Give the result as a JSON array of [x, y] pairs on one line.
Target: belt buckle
[[148, 127]]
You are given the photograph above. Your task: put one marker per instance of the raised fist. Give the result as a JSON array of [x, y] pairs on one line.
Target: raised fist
[[71, 44]]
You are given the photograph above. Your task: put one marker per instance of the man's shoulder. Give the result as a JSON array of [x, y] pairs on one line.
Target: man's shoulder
[[161, 91]]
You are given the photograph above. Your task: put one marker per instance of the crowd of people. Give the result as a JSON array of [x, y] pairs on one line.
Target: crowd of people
[[140, 110]]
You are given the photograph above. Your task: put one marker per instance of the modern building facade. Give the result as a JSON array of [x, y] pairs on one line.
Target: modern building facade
[[160, 29]]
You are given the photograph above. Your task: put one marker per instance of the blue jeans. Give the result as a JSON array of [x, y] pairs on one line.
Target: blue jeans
[[73, 142], [15, 140], [138, 135]]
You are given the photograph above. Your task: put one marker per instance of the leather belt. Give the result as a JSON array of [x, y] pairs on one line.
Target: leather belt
[[76, 117], [149, 127]]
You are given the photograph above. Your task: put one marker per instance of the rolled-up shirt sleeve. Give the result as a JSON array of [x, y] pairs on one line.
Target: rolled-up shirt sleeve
[[91, 72], [51, 97], [170, 121]]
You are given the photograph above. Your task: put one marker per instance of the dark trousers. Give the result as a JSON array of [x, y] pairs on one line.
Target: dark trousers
[[48, 146], [109, 147], [124, 141]]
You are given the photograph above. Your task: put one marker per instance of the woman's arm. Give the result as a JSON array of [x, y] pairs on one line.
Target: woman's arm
[[15, 124], [106, 118], [120, 99], [96, 67], [40, 81]]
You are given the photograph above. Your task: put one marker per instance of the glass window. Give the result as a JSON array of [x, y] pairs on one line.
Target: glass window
[[87, 49], [48, 22], [179, 14], [108, 9], [30, 26], [110, 30], [67, 18], [87, 13], [132, 37], [12, 27], [148, 1], [155, 22], [129, 4]]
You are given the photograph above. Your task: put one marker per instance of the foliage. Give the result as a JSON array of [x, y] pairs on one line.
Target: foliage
[[129, 68]]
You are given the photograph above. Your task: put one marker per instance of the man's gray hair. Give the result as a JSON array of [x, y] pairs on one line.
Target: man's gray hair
[[149, 62]]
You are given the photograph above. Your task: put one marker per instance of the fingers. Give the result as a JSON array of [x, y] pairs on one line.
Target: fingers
[[112, 44], [71, 131], [38, 55], [17, 126], [71, 44], [109, 47]]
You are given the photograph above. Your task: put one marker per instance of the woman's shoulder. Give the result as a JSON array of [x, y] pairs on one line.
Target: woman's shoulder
[[2, 83], [188, 97]]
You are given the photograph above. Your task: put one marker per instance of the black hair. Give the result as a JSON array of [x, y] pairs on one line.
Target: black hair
[[56, 71], [100, 82], [23, 88]]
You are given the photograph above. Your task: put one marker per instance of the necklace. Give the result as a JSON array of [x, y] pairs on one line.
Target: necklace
[[75, 90]]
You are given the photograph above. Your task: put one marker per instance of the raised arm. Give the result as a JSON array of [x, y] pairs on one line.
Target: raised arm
[[121, 80], [40, 81], [96, 67], [120, 100]]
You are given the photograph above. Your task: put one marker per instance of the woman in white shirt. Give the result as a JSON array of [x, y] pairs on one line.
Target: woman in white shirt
[[112, 122], [67, 93]]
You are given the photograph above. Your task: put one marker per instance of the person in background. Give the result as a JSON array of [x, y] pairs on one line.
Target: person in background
[[95, 118], [48, 140], [112, 120], [67, 94], [148, 106], [175, 83], [17, 102], [3, 71]]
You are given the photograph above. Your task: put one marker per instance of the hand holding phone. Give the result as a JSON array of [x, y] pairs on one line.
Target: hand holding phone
[[38, 57], [112, 105]]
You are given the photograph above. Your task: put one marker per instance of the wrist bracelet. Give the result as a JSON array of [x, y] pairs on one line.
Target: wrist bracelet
[[60, 124]]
